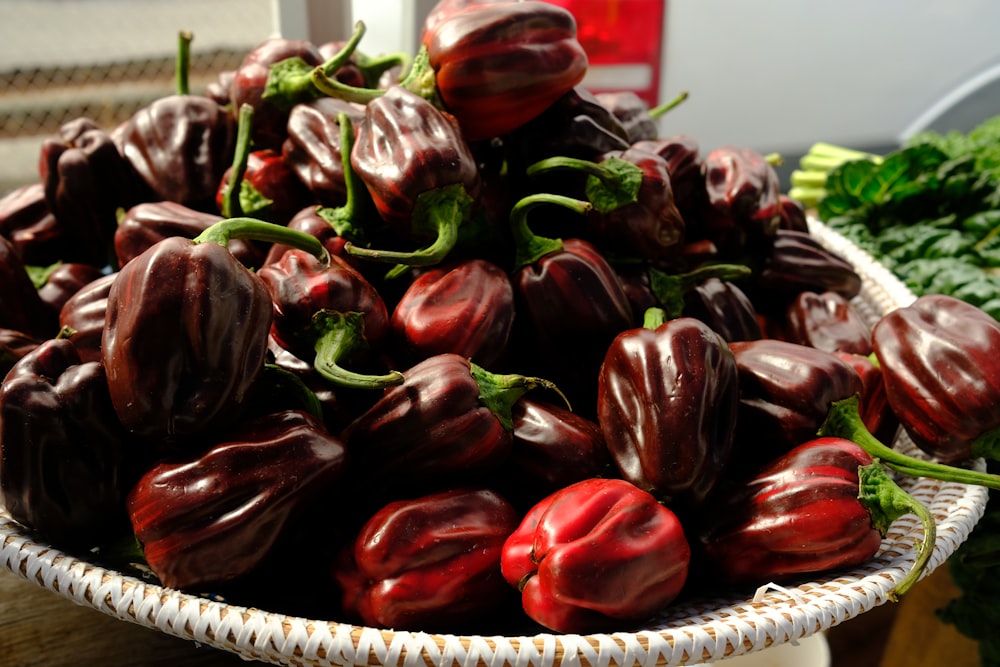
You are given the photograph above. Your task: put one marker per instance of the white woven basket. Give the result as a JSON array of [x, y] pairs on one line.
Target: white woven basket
[[708, 630]]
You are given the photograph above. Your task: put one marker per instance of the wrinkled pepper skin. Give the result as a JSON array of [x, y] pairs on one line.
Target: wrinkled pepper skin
[[406, 147], [633, 112], [86, 181], [683, 155], [667, 405], [300, 286], [799, 515], [65, 461], [28, 223], [65, 280], [603, 555], [312, 149], [431, 562], [83, 317], [785, 394], [797, 262], [180, 145], [465, 308], [214, 517], [20, 306], [499, 65], [553, 447], [827, 321], [939, 358], [185, 338], [724, 307], [146, 224]]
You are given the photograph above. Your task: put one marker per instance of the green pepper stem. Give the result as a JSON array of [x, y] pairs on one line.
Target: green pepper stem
[[342, 218], [231, 207], [500, 392], [669, 289], [251, 229], [611, 183], [662, 109], [529, 247], [373, 67], [343, 56], [182, 65], [886, 501], [654, 318], [439, 212], [339, 336], [844, 421]]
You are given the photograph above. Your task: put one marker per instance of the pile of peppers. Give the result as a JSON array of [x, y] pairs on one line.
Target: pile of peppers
[[442, 341]]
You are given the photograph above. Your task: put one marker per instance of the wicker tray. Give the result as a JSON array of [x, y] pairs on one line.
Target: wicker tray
[[706, 630]]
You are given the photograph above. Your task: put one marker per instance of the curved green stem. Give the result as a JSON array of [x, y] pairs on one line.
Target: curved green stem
[[661, 109], [342, 218], [529, 247], [886, 501], [844, 421], [500, 392], [438, 213], [611, 184], [231, 201], [373, 67], [339, 336], [251, 229], [669, 289], [182, 65]]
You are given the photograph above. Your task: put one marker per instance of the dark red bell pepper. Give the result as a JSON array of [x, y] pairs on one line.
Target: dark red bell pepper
[[683, 156], [30, 226], [667, 404], [725, 307], [429, 563], [66, 462], [61, 281], [449, 417], [827, 321], [215, 516], [179, 144], [82, 317], [327, 313], [825, 505], [873, 401], [786, 390], [21, 308], [186, 331], [144, 225], [797, 262], [596, 556], [465, 307], [420, 173], [13, 346], [938, 358]]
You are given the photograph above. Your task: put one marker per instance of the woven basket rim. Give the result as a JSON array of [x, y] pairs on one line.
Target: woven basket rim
[[694, 632]]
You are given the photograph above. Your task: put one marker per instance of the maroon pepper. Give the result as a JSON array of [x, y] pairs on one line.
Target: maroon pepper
[[682, 153], [429, 563], [449, 417], [20, 306], [824, 505], [938, 359], [596, 556], [63, 280], [327, 313], [827, 321], [667, 404], [29, 224], [66, 462], [186, 331], [214, 517], [725, 307], [13, 346], [797, 262], [465, 307], [82, 317]]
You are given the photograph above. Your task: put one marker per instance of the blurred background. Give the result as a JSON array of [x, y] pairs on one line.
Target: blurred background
[[773, 75]]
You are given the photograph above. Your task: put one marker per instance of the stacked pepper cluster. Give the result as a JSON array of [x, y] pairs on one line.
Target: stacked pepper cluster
[[446, 342]]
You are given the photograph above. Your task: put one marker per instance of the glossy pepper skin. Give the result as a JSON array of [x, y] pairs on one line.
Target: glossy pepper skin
[[64, 280], [828, 321], [598, 555], [938, 358], [145, 224], [667, 404], [822, 506], [684, 162], [786, 390], [269, 189], [725, 307], [86, 181], [215, 516], [797, 262], [66, 462], [465, 307], [81, 318], [28, 223], [14, 345], [430, 562], [449, 417], [499, 65], [409, 155], [185, 338]]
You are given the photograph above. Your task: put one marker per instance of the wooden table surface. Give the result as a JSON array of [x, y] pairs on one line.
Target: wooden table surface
[[38, 628]]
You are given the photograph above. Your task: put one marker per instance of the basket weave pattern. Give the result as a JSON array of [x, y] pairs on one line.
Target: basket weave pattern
[[698, 631]]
